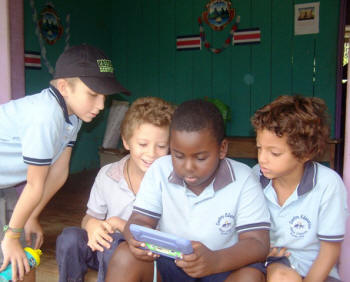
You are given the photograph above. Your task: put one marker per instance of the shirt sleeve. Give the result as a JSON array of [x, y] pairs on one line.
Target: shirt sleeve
[[97, 205], [333, 210], [252, 211], [40, 140], [149, 198], [73, 139]]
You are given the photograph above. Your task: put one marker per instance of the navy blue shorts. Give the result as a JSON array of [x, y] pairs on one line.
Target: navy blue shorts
[[262, 266], [170, 272]]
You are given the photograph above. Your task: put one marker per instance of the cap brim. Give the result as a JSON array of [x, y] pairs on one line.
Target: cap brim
[[105, 85]]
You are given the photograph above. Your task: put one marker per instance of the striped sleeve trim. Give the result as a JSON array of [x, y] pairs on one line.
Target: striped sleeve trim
[[71, 144], [147, 213], [335, 238], [39, 162], [253, 226]]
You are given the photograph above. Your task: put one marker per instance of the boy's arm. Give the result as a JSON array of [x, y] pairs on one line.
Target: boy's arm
[[326, 259], [56, 177], [252, 246], [139, 219], [29, 199]]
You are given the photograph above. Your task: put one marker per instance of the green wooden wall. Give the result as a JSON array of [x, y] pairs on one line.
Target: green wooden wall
[[244, 77], [140, 37]]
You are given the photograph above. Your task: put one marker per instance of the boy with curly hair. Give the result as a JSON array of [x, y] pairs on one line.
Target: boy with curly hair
[[306, 200], [145, 133], [199, 194]]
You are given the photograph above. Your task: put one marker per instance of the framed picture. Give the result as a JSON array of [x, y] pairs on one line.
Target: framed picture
[[306, 18]]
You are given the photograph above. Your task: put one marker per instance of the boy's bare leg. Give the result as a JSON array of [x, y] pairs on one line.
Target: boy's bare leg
[[278, 272], [124, 267], [246, 274]]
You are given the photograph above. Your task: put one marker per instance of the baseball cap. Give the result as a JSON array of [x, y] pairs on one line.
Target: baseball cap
[[92, 66]]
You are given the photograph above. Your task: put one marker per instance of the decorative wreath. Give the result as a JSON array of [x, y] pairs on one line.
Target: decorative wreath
[[227, 41]]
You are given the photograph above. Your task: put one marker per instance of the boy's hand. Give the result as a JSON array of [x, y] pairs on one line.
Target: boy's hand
[[14, 254], [33, 226], [199, 263], [136, 248], [98, 234], [278, 252]]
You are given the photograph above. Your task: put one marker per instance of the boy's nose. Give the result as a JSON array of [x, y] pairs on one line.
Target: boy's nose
[[188, 165], [101, 102], [151, 151], [261, 156]]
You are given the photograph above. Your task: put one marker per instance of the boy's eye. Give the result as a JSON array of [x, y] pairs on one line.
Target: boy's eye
[[162, 146], [275, 154], [143, 145], [201, 158], [177, 156]]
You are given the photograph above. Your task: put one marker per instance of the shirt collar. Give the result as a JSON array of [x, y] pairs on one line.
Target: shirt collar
[[116, 171], [61, 102], [224, 175], [307, 183]]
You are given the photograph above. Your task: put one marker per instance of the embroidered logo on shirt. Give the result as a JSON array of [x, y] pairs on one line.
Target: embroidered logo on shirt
[[226, 223], [299, 226]]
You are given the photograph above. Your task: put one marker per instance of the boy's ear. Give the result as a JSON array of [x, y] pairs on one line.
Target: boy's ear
[[62, 86], [125, 144], [223, 149]]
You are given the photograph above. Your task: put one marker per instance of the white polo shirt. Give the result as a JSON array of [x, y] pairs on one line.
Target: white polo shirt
[[316, 211], [33, 130], [231, 204], [110, 194]]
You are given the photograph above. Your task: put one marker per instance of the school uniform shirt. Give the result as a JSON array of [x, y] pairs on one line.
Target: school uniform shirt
[[315, 212], [231, 204], [34, 130], [110, 194]]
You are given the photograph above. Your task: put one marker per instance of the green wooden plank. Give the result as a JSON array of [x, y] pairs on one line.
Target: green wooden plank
[[183, 59], [303, 61], [281, 49], [326, 55], [135, 55], [150, 42], [240, 71], [119, 42], [303, 64], [202, 60], [261, 56], [167, 50]]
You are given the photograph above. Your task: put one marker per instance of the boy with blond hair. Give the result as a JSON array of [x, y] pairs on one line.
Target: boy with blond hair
[[37, 135], [145, 133]]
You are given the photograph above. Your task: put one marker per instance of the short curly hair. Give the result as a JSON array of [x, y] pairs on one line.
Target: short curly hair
[[153, 110], [198, 114], [303, 120]]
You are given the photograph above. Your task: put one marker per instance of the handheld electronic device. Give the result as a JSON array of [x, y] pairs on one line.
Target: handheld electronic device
[[161, 243]]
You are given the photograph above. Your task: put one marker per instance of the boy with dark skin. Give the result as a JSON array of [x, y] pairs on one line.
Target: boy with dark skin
[[198, 194]]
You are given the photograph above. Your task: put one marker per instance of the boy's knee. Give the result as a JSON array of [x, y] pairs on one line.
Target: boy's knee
[[281, 273], [69, 238], [246, 274]]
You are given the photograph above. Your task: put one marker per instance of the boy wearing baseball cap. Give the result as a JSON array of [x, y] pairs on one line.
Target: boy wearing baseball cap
[[37, 134]]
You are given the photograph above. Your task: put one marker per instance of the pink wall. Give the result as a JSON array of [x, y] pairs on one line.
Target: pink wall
[[5, 76], [345, 256], [11, 50], [17, 48]]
